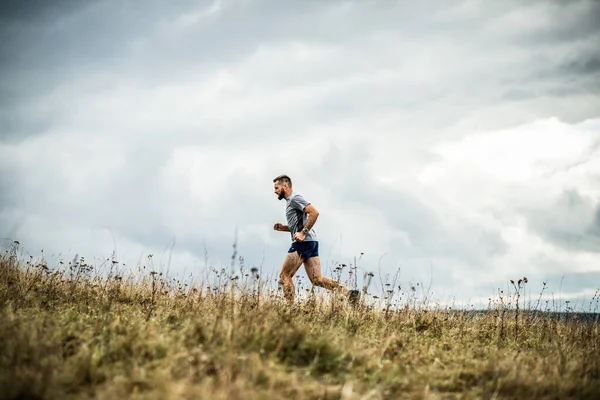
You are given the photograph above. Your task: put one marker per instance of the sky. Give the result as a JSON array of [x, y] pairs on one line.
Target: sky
[[457, 142]]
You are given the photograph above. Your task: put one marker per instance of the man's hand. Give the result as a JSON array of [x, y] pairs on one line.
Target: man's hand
[[299, 236], [279, 227]]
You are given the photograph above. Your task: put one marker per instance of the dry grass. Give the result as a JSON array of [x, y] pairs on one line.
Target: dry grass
[[66, 333]]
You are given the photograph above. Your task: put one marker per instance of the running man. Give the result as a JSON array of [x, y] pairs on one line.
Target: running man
[[301, 217]]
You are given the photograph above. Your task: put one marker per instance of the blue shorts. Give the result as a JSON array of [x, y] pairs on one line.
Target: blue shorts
[[305, 249]]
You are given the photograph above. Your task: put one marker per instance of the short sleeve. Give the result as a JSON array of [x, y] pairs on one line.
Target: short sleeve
[[299, 203]]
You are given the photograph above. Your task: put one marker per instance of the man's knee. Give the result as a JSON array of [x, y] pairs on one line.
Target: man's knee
[[317, 280], [284, 277]]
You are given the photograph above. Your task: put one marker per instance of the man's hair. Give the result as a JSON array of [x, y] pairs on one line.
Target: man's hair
[[283, 179]]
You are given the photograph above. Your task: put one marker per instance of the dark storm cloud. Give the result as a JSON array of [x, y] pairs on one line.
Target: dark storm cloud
[[581, 71], [46, 55], [50, 45], [571, 222], [36, 11], [106, 34], [579, 21], [574, 76], [589, 65]]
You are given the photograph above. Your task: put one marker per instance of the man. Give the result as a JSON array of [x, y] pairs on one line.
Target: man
[[301, 217]]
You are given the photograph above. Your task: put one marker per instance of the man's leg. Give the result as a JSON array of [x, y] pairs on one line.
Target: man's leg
[[313, 270], [290, 266]]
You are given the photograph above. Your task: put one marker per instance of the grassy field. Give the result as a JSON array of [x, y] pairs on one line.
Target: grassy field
[[69, 333]]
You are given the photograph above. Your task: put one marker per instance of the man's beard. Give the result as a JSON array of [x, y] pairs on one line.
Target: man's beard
[[281, 195]]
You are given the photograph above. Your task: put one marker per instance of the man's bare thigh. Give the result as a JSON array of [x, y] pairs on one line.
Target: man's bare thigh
[[312, 266], [291, 264]]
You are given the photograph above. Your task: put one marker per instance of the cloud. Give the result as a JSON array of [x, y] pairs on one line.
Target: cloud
[[573, 223], [534, 187], [456, 141]]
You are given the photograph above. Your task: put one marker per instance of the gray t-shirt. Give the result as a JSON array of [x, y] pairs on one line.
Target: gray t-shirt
[[296, 217]]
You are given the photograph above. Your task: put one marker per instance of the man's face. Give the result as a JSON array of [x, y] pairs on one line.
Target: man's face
[[280, 190]]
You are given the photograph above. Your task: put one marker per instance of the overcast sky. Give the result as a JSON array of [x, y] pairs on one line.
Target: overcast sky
[[456, 140]]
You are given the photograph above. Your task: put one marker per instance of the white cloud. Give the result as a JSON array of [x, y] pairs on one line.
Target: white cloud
[[532, 158], [502, 181]]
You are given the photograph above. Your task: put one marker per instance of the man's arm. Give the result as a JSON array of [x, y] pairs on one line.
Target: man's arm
[[281, 228], [313, 214]]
